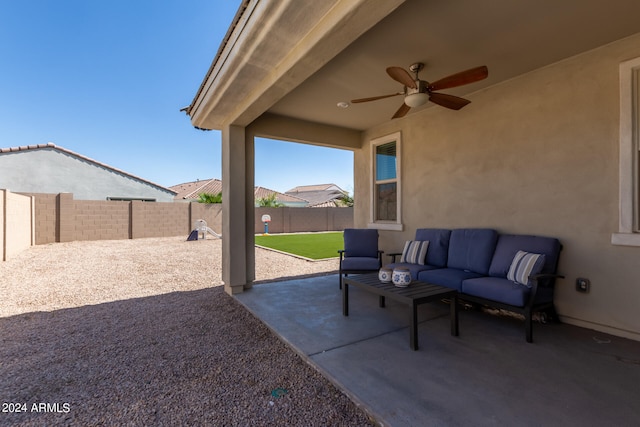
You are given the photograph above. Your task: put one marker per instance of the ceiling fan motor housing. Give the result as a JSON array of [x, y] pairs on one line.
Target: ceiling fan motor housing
[[421, 87]]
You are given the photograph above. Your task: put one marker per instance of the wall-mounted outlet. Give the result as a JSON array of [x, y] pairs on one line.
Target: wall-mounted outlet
[[583, 285]]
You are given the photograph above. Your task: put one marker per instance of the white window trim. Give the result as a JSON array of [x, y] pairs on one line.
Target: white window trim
[[386, 225], [627, 234]]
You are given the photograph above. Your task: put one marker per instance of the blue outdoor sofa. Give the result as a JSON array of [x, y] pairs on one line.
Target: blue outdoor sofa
[[505, 271]]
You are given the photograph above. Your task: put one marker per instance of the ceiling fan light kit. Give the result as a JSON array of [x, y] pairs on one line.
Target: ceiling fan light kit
[[416, 99], [417, 92]]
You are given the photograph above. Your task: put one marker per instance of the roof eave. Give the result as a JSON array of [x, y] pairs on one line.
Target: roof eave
[[254, 67]]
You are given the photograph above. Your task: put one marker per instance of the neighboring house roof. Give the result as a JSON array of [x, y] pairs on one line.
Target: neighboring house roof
[[191, 191], [52, 147], [315, 187], [286, 199], [321, 195]]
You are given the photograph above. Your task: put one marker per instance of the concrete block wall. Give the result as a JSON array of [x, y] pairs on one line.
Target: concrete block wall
[[296, 220], [65, 214], [16, 223], [60, 218], [212, 213], [101, 220], [340, 218], [46, 215], [314, 216], [159, 219]]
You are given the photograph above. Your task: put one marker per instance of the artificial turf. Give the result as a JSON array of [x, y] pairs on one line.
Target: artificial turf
[[308, 245]]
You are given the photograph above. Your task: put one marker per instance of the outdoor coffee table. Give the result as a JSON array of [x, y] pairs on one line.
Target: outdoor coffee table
[[415, 294]]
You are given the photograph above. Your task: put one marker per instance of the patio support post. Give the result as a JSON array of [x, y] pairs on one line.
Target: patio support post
[[236, 252]]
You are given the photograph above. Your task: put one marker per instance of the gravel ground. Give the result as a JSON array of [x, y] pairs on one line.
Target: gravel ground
[[140, 332]]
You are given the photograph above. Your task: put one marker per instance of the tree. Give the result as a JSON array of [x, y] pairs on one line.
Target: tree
[[346, 200], [269, 201], [209, 198]]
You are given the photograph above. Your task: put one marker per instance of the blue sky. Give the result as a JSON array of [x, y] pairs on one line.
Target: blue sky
[[107, 79]]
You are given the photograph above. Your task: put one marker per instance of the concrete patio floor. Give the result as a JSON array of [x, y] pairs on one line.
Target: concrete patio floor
[[489, 375]]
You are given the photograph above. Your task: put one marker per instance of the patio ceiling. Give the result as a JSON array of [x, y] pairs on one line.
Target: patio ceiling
[[511, 37]]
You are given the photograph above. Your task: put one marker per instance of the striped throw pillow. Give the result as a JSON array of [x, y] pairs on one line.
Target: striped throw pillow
[[525, 264], [415, 252]]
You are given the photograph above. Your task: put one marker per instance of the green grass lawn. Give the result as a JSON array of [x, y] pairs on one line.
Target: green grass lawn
[[308, 245]]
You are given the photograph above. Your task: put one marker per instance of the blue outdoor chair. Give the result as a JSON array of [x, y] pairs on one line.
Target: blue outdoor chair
[[360, 253]]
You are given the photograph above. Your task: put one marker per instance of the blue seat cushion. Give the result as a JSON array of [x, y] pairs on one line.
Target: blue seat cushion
[[360, 263], [472, 249], [361, 242], [497, 289], [438, 245], [414, 269], [509, 244], [449, 277]]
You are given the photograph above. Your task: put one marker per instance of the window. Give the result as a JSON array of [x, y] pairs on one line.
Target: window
[[629, 209], [385, 189]]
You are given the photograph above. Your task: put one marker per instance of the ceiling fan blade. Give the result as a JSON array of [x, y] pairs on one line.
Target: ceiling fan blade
[[461, 78], [448, 101], [375, 98], [402, 111], [401, 75]]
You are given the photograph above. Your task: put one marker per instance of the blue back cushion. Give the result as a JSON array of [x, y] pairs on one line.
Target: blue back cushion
[[509, 244], [438, 245], [361, 242], [472, 249]]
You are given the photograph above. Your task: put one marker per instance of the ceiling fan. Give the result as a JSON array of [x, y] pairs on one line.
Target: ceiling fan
[[417, 92]]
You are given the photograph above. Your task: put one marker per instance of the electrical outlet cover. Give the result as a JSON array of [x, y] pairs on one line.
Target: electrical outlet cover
[[582, 285]]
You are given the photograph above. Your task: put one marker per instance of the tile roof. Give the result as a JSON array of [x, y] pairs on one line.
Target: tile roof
[[191, 190], [51, 145], [315, 187], [320, 195], [261, 192]]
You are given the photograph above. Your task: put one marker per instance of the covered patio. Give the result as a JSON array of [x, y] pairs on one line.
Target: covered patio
[[548, 145], [488, 375]]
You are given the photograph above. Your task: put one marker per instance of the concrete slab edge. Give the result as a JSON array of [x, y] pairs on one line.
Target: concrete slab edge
[[371, 414]]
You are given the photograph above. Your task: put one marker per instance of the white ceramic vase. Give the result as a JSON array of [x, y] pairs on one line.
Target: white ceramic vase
[[385, 274], [401, 277]]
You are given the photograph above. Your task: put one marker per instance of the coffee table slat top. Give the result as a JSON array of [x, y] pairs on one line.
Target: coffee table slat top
[[415, 291]]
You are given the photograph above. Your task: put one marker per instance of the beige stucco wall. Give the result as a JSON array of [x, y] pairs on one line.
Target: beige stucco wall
[[534, 155], [16, 223]]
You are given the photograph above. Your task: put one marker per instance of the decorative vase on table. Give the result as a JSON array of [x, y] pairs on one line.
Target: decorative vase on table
[[401, 277], [385, 274]]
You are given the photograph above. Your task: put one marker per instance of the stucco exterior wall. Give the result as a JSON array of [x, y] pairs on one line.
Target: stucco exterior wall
[[49, 170], [534, 155]]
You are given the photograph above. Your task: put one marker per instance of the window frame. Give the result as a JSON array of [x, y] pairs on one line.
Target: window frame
[[629, 189], [373, 221]]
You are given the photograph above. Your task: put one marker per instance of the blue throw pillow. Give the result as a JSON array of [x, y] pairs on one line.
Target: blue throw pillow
[[415, 252], [525, 264]]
